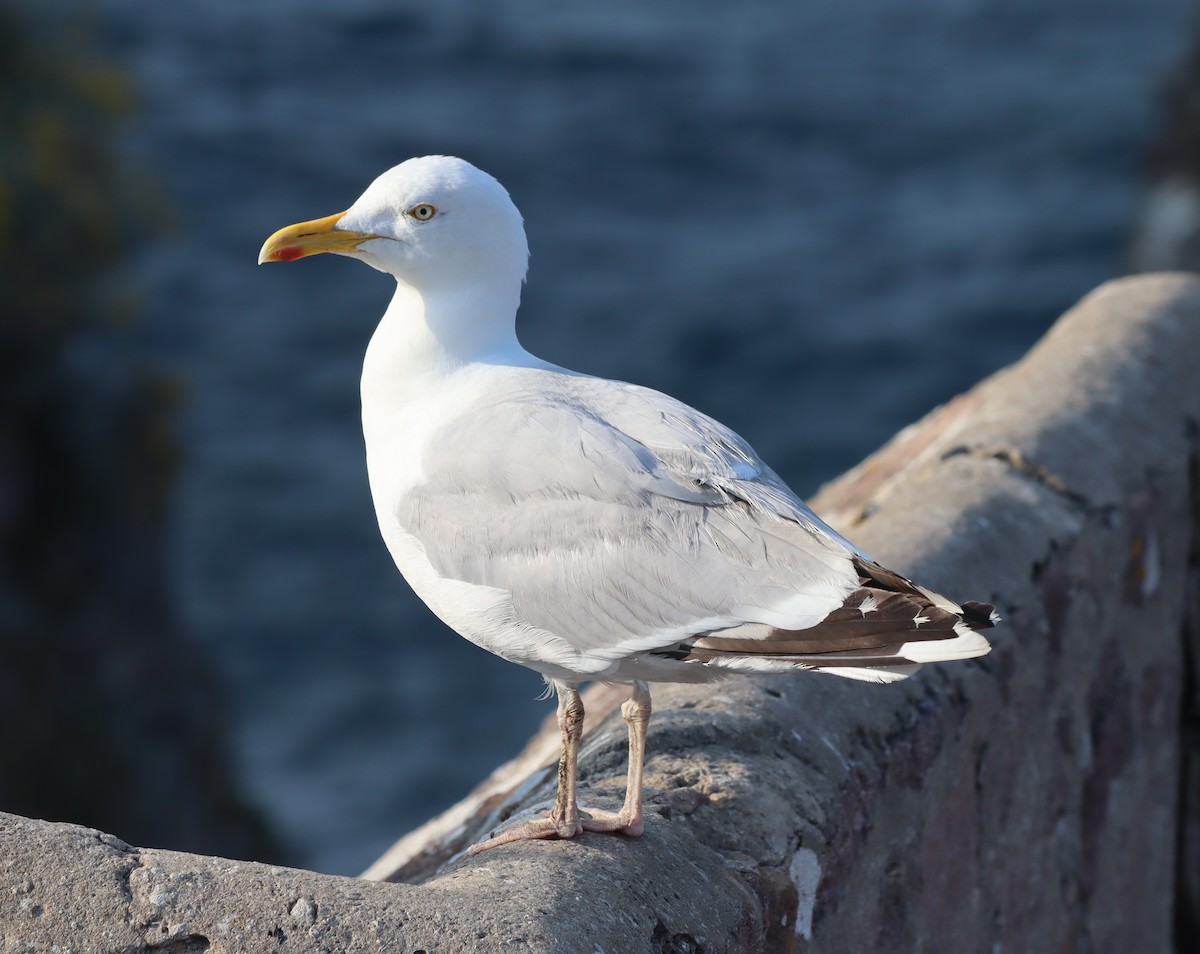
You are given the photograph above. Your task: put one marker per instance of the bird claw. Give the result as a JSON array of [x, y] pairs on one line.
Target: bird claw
[[625, 822], [597, 819], [540, 829], [536, 830]]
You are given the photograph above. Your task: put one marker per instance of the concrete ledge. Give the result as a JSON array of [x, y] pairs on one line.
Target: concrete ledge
[[1027, 801]]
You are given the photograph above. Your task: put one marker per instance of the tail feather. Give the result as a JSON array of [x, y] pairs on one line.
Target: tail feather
[[884, 631]]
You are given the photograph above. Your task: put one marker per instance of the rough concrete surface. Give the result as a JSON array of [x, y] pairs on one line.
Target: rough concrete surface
[[1027, 801]]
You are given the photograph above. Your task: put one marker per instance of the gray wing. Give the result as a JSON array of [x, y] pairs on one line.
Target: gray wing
[[620, 519]]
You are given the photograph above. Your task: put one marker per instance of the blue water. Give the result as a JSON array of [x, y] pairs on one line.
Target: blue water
[[814, 221]]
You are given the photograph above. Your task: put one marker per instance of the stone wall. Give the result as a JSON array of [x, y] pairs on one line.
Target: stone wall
[[1033, 800]]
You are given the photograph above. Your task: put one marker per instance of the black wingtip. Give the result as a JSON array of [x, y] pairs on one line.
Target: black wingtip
[[979, 615]]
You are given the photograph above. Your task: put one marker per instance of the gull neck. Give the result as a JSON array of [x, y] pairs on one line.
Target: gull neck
[[427, 335]]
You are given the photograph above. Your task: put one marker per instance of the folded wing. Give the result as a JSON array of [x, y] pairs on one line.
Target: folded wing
[[627, 523]]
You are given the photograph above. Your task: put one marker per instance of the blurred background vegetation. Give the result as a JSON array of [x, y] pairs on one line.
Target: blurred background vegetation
[[113, 718]]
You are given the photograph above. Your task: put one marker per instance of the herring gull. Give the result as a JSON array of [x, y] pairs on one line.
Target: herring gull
[[588, 529]]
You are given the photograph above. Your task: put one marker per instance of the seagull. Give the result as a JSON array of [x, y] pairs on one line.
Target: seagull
[[588, 529]]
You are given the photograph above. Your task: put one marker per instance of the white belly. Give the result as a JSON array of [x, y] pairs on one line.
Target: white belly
[[484, 614]]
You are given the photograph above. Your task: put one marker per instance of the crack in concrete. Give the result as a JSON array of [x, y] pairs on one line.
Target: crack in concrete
[[1035, 472]]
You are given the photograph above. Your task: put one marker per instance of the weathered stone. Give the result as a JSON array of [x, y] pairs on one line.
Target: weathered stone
[[1027, 801]]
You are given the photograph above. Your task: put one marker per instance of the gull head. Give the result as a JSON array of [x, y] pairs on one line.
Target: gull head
[[432, 222]]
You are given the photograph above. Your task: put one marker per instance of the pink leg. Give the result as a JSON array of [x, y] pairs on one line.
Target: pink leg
[[636, 711], [566, 820]]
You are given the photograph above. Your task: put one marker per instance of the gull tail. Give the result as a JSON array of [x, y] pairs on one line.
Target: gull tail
[[884, 631]]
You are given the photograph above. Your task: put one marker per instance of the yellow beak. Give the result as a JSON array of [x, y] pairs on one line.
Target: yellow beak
[[311, 238]]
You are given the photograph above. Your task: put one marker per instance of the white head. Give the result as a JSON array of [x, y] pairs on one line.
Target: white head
[[434, 222]]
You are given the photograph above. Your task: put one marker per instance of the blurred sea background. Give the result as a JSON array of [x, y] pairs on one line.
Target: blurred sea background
[[814, 221]]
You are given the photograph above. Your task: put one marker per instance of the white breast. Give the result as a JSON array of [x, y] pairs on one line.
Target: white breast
[[398, 424]]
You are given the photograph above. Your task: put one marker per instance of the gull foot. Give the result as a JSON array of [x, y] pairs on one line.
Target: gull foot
[[539, 828], [542, 828], [623, 821]]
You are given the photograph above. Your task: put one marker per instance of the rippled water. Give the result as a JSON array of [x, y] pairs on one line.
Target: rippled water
[[814, 221]]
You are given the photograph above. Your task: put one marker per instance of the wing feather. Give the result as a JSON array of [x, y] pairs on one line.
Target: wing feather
[[623, 521]]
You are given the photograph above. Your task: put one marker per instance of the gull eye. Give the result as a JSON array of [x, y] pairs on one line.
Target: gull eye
[[423, 212]]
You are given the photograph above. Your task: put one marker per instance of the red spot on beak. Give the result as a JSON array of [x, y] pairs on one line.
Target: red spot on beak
[[289, 253]]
